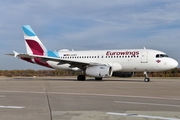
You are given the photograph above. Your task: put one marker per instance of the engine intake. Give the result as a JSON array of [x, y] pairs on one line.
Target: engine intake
[[99, 71]]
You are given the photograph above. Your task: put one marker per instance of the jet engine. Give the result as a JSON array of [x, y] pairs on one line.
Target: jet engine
[[123, 74], [99, 71]]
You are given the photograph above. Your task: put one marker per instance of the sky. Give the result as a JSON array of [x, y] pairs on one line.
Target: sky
[[89, 25]]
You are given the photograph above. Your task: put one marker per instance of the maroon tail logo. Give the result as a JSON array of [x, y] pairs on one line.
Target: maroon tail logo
[[35, 47]]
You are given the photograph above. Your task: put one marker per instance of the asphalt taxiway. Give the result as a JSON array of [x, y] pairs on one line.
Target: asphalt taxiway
[[65, 98]]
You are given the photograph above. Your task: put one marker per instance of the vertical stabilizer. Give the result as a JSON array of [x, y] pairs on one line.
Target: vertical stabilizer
[[33, 44]]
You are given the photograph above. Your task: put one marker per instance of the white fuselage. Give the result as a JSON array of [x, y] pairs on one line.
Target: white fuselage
[[128, 60], [95, 63]]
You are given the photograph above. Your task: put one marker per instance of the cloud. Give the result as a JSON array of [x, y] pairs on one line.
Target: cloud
[[88, 24]]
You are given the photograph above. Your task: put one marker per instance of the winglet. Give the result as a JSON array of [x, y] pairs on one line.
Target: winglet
[[15, 53]]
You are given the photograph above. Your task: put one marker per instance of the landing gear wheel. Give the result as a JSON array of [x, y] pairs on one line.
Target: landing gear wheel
[[81, 77], [146, 79], [97, 78]]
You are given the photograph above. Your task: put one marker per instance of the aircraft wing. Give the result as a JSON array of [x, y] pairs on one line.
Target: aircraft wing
[[73, 63]]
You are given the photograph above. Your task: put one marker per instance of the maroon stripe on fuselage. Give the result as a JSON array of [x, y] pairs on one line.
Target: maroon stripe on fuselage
[[37, 61], [35, 47], [27, 59]]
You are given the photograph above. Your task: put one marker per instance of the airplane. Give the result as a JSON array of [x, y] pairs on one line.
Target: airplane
[[95, 63]]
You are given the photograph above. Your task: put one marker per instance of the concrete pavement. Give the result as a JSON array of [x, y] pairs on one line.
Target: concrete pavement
[[64, 98]]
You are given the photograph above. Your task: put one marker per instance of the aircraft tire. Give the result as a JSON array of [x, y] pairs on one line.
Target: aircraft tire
[[97, 78], [146, 79], [81, 77]]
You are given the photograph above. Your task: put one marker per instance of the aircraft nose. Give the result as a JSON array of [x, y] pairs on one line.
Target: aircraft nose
[[174, 63]]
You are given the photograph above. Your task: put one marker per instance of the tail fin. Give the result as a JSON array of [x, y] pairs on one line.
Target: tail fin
[[33, 44]]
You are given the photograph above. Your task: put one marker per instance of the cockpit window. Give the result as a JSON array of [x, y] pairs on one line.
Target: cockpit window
[[161, 55]]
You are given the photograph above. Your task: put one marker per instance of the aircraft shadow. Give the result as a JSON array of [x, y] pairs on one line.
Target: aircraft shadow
[[74, 79]]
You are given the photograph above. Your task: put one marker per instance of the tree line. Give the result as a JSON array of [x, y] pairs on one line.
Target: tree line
[[40, 73]]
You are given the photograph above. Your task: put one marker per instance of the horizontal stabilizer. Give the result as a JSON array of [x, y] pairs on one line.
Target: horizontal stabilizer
[[9, 54]]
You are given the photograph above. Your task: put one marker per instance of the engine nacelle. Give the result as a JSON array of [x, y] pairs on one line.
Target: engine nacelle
[[99, 71], [123, 74]]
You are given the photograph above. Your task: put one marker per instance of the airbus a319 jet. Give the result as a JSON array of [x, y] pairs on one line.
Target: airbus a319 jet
[[95, 63]]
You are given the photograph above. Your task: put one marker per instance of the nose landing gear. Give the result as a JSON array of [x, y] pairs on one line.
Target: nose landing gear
[[146, 79]]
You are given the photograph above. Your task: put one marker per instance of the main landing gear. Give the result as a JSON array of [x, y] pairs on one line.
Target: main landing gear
[[146, 79], [83, 78], [98, 78]]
